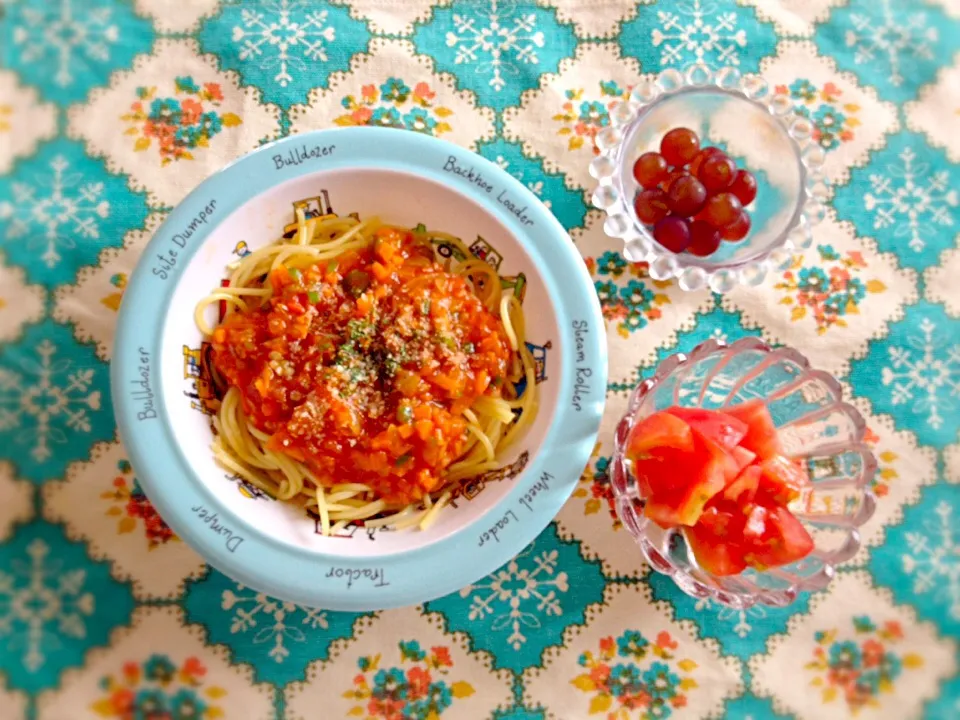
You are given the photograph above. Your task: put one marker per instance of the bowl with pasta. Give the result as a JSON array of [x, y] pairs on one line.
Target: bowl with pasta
[[359, 368]]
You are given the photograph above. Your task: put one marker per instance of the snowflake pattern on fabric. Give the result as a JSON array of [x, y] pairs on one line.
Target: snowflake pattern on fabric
[[67, 47], [278, 638], [53, 401], [526, 604], [906, 198], [714, 32], [919, 364], [284, 47], [740, 632], [895, 45], [55, 603], [60, 208], [920, 560], [497, 48]]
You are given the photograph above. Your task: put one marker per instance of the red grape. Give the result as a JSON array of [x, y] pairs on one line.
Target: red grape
[[673, 233], [673, 175], [738, 229], [651, 206], [686, 196], [649, 169], [702, 156], [744, 186], [717, 172], [722, 209], [704, 238], [680, 146]]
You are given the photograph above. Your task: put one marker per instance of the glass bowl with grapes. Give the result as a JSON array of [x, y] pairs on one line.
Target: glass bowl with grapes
[[709, 177]]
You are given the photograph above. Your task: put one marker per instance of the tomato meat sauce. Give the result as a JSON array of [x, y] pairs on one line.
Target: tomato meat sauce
[[362, 367]]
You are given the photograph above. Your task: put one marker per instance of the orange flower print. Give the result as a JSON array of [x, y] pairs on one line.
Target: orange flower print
[[131, 506], [213, 91], [630, 673], [417, 688], [833, 121], [582, 118], [860, 669], [394, 104], [158, 688], [829, 291], [423, 93], [187, 120]]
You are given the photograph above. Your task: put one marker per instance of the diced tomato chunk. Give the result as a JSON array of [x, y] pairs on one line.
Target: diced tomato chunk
[[773, 536], [743, 489], [681, 483], [782, 480], [742, 456], [722, 479], [723, 429], [761, 434], [660, 430], [715, 541], [650, 438]]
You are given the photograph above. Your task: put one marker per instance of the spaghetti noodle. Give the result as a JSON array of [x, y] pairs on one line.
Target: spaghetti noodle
[[362, 378]]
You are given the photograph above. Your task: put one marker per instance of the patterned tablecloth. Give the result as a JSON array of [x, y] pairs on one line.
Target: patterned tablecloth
[[112, 110]]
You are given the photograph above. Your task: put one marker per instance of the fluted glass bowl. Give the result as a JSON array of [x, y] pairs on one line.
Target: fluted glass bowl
[[814, 426], [760, 129]]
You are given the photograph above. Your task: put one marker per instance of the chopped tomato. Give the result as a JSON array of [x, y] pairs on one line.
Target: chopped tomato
[[761, 433], [706, 471], [723, 429], [660, 430], [650, 437], [742, 456], [743, 489], [715, 541], [782, 480], [773, 536], [681, 483]]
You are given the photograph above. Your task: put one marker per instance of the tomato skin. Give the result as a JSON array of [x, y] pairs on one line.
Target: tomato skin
[[723, 429], [714, 541], [744, 487], [660, 430], [682, 483], [650, 442], [761, 434], [743, 457], [782, 480], [774, 536]]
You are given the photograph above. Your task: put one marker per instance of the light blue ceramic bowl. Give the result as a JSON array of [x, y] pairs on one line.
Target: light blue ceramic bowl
[[159, 385]]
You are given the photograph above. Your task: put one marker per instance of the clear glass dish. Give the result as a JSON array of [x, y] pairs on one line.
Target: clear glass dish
[[814, 425], [758, 128]]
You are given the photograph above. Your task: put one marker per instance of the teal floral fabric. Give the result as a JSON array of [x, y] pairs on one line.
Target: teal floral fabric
[[111, 111]]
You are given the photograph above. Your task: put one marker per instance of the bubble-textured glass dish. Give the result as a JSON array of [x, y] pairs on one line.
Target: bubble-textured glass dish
[[814, 426], [756, 127]]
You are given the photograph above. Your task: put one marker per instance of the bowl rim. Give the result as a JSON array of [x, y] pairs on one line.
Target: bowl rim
[[321, 579]]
